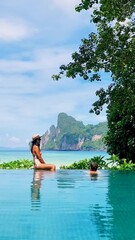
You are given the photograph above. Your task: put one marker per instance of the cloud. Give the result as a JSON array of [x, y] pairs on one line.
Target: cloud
[[39, 90], [14, 140], [10, 141], [36, 43], [67, 6], [14, 29], [56, 20], [41, 59]]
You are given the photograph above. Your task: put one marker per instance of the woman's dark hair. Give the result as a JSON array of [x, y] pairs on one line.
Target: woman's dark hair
[[35, 142], [93, 166]]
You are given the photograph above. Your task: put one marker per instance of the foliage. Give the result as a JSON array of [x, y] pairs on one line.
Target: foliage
[[120, 138], [112, 9], [111, 50], [85, 164], [71, 138], [99, 129], [98, 144], [18, 164], [69, 124], [50, 145], [87, 145], [127, 165], [82, 164], [52, 132], [99, 160], [114, 162]]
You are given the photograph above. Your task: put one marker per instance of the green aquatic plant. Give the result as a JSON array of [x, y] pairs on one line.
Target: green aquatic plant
[[17, 164]]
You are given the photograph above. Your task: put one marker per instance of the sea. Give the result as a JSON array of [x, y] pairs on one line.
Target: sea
[[58, 158]]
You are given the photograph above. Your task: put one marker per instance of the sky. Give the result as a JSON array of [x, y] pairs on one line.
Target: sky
[[36, 37]]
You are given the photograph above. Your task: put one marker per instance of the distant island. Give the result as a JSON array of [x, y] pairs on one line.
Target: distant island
[[73, 135]]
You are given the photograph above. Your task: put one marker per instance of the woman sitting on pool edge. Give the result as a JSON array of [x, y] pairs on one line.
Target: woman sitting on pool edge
[[39, 162]]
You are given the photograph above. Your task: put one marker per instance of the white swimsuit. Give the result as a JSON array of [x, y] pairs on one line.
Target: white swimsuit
[[36, 161]]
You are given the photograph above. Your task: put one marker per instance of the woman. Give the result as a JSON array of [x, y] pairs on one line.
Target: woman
[[93, 167], [39, 162]]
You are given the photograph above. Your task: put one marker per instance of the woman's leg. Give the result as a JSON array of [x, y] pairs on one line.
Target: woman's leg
[[45, 166]]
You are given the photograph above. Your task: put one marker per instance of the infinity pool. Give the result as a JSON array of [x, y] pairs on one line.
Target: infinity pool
[[66, 205]]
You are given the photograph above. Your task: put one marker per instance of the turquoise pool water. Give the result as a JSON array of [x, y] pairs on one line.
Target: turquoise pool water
[[66, 205]]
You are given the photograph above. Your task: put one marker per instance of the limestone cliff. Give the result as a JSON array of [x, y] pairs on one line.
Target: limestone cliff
[[70, 134]]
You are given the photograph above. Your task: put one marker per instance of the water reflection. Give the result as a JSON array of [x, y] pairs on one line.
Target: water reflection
[[101, 217], [93, 176], [38, 176], [100, 211], [66, 179], [101, 204], [113, 216], [121, 196]]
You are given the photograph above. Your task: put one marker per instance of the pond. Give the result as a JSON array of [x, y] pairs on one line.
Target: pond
[[67, 204]]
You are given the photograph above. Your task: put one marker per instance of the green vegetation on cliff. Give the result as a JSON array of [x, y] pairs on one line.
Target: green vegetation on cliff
[[71, 134]]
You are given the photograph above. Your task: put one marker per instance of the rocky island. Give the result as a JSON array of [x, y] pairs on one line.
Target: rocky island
[[70, 134]]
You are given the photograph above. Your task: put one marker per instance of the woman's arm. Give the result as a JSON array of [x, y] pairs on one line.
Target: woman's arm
[[38, 154]]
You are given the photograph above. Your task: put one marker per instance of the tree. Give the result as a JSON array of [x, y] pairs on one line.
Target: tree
[[120, 138], [111, 49]]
